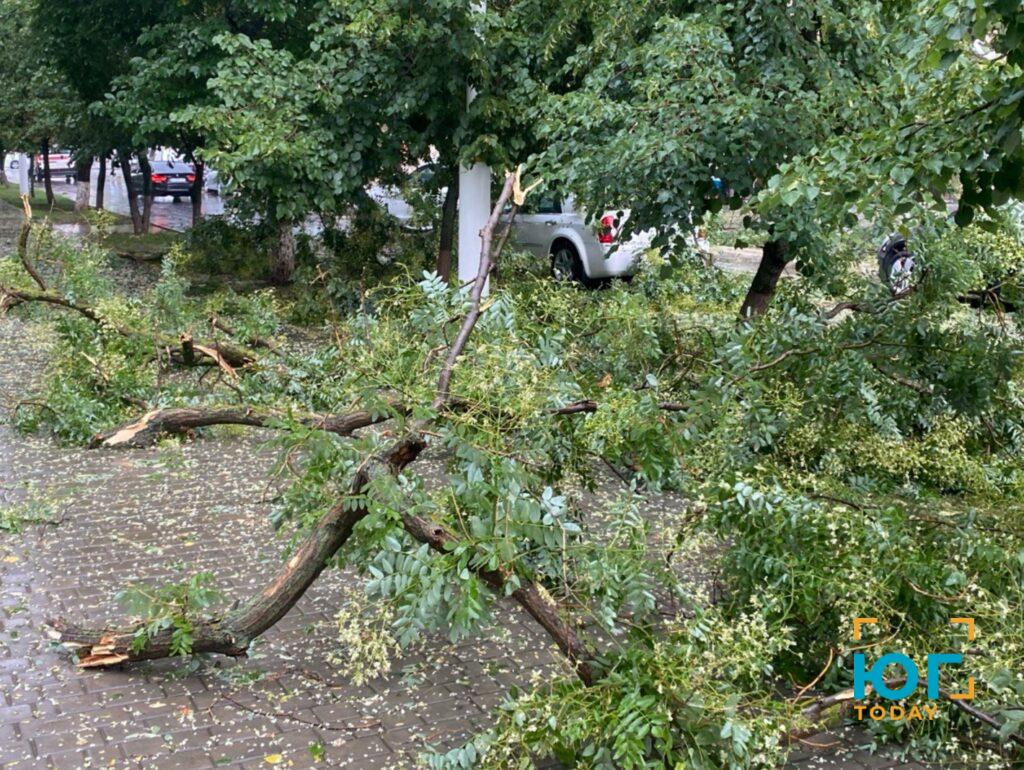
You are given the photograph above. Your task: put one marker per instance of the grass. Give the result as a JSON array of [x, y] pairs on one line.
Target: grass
[[150, 246], [62, 212]]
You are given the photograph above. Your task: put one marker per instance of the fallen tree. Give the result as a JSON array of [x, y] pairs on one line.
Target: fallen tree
[[157, 422], [558, 379], [232, 634]]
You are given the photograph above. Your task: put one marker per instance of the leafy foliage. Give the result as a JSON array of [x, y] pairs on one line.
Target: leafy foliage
[[172, 606], [832, 465]]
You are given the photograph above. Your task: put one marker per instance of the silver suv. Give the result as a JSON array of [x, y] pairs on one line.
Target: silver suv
[[553, 228]]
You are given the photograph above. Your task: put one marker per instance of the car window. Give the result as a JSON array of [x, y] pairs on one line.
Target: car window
[[544, 203], [549, 204], [165, 166]]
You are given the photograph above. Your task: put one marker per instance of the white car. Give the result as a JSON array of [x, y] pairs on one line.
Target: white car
[[554, 229], [211, 181], [61, 165]]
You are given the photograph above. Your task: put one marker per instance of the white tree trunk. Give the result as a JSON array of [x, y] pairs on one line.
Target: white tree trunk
[[474, 208], [82, 195]]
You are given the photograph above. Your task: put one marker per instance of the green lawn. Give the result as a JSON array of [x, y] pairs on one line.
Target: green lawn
[[142, 247], [62, 212]]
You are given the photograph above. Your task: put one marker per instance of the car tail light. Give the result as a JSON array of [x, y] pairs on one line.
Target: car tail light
[[606, 233], [190, 177], [158, 178]]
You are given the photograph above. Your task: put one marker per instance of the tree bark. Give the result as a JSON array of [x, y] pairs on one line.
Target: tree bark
[[124, 160], [774, 258], [101, 182], [283, 264], [47, 183], [3, 168], [147, 191], [196, 193], [447, 235], [83, 174]]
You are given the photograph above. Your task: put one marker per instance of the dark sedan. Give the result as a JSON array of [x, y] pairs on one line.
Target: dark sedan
[[168, 177]]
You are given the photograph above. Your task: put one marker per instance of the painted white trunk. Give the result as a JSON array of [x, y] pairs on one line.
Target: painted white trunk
[[24, 182], [474, 209], [82, 187]]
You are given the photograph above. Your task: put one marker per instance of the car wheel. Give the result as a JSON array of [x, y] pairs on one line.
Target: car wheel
[[895, 264], [566, 265], [177, 199]]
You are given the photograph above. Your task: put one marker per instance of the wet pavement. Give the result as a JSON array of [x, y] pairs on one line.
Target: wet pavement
[[159, 515], [93, 521], [168, 214]]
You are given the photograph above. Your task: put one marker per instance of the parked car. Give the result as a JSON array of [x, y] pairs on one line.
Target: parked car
[[549, 226], [168, 178], [61, 165], [555, 229], [211, 181]]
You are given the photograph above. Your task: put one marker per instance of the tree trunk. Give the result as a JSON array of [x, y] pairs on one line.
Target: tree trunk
[[774, 257], [101, 182], [196, 193], [147, 191], [283, 264], [83, 174], [48, 185], [124, 160], [448, 212], [3, 168]]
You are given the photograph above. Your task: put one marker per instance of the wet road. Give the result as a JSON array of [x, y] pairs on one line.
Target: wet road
[[167, 214]]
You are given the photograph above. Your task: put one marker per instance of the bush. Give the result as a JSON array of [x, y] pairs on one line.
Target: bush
[[220, 246]]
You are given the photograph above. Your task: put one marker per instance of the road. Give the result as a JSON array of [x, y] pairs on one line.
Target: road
[[167, 215]]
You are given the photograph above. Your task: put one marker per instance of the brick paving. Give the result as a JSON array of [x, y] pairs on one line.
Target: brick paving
[[157, 516], [160, 514]]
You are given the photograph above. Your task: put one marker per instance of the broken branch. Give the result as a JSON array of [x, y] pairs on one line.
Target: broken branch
[[150, 426], [226, 353]]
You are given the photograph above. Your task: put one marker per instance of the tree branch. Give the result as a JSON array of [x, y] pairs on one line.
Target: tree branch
[[151, 425], [232, 634], [486, 263], [230, 353]]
